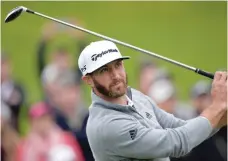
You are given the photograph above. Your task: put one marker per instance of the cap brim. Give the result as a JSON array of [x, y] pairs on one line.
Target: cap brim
[[124, 57]]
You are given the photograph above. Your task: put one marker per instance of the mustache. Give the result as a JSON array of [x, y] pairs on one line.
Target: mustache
[[117, 81]]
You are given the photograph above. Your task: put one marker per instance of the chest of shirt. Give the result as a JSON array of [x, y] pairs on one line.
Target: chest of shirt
[[144, 115]]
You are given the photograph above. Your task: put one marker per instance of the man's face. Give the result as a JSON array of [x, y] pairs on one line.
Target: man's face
[[110, 80]]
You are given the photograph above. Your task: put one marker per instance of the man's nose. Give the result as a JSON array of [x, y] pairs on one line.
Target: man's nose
[[114, 73]]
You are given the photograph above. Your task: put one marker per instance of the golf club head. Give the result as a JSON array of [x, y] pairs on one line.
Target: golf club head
[[14, 13]]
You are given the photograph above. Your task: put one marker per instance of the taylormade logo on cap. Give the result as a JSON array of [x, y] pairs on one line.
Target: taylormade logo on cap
[[95, 56], [98, 54]]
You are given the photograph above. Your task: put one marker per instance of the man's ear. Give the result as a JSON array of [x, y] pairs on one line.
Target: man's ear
[[88, 80]]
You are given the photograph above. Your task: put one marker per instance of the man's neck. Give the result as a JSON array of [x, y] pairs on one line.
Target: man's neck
[[122, 100]]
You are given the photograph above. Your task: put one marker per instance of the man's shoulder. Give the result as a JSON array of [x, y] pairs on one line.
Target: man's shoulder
[[110, 122], [101, 113], [105, 123], [102, 116]]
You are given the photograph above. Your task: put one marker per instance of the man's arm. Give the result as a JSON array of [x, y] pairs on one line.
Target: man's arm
[[165, 119], [216, 113], [128, 138]]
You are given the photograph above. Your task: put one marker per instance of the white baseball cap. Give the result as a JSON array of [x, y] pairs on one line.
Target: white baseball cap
[[98, 54]]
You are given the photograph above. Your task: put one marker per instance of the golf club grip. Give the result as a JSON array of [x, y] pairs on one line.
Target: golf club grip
[[204, 73]]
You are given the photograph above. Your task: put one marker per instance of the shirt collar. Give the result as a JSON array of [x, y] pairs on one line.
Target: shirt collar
[[96, 100]]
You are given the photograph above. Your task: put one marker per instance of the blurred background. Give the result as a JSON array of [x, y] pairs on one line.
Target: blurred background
[[40, 81]]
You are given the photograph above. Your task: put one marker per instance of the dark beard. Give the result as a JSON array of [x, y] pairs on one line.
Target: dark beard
[[106, 92]]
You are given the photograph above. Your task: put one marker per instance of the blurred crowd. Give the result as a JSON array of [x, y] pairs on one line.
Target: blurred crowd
[[57, 123]]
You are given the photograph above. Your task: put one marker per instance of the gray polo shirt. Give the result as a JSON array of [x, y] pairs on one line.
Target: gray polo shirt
[[140, 130]]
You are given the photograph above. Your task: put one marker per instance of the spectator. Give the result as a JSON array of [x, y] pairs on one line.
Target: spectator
[[45, 138], [48, 78], [9, 136], [70, 99], [62, 86], [60, 57], [200, 95], [150, 72], [162, 91], [64, 96], [147, 75], [72, 114], [12, 92]]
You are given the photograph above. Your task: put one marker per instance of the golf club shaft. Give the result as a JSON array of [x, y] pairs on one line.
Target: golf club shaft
[[199, 71]]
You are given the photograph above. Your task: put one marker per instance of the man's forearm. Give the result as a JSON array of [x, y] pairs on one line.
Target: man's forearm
[[214, 115]]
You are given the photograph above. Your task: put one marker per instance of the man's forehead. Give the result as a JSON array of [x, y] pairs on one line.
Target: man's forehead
[[110, 64]]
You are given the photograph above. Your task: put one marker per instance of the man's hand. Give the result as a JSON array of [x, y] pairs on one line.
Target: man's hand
[[216, 113], [219, 90]]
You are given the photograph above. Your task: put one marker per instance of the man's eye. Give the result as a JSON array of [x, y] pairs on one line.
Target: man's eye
[[103, 70], [118, 64]]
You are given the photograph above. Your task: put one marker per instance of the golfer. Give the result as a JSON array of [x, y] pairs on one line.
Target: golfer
[[126, 125]]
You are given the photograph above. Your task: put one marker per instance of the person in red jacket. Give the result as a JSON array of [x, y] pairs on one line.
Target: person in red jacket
[[45, 141]]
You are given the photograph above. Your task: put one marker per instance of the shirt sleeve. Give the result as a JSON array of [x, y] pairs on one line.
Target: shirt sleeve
[[126, 137], [167, 120]]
